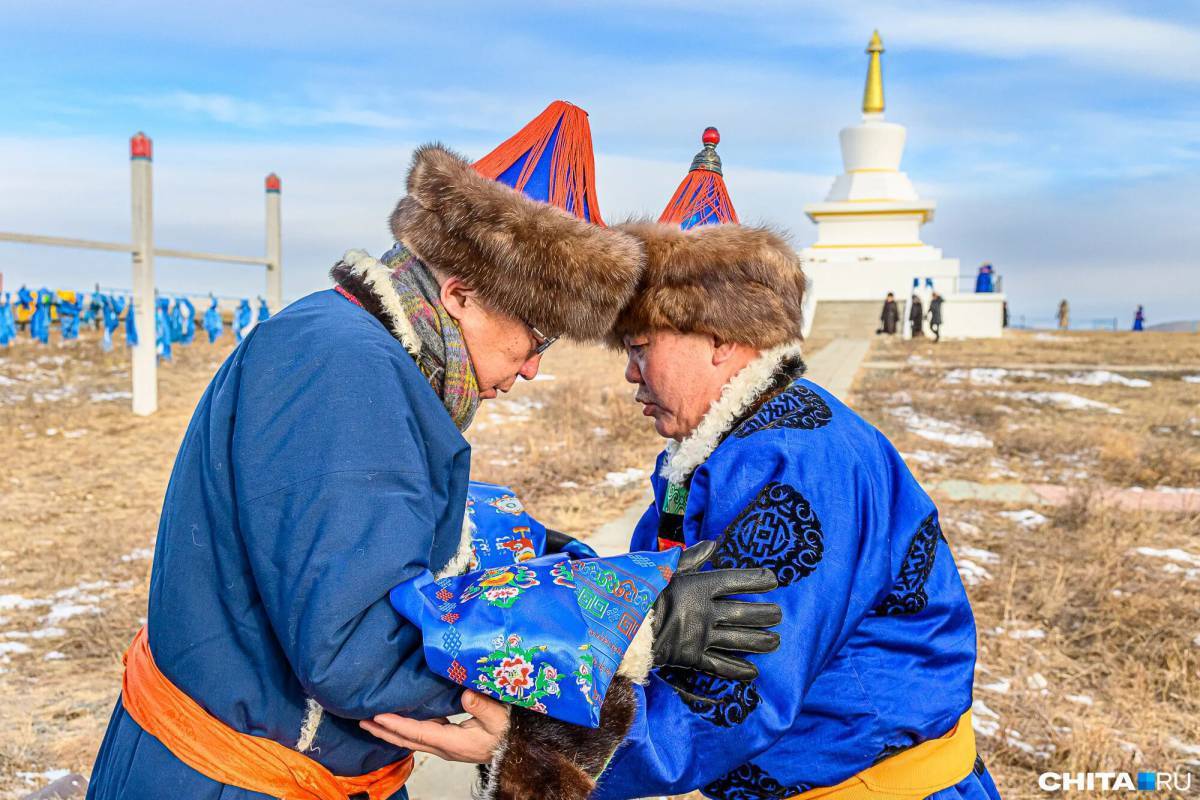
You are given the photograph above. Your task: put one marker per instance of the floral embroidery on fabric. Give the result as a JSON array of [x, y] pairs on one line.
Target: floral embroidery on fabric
[[563, 574], [777, 530], [722, 702], [501, 586], [507, 504], [797, 408], [908, 594], [751, 782], [511, 673], [585, 675]]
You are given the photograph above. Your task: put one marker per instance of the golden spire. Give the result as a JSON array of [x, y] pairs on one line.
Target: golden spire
[[873, 94]]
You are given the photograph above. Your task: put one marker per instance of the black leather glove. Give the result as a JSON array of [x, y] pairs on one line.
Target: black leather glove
[[559, 542], [696, 627]]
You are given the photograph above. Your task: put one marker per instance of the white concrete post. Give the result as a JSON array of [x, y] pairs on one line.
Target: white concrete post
[[145, 360], [274, 245]]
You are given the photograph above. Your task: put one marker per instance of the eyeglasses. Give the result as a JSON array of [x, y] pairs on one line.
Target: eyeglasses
[[543, 341]]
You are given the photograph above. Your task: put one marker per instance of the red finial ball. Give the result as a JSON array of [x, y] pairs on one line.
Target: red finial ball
[[140, 146], [273, 183], [711, 136]]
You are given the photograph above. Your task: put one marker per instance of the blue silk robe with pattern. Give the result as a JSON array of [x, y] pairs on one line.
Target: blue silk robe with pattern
[[877, 646]]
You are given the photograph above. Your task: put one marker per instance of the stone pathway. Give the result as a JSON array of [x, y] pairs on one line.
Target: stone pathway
[[1128, 499]]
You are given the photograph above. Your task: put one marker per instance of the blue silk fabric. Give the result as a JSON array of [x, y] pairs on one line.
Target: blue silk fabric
[[877, 648], [503, 532], [545, 634]]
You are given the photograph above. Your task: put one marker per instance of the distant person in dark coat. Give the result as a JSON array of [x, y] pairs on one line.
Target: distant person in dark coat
[[890, 317], [1064, 315], [1139, 319], [916, 315], [935, 316]]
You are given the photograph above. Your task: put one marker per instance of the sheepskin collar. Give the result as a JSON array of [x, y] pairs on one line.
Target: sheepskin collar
[[773, 370], [370, 282]]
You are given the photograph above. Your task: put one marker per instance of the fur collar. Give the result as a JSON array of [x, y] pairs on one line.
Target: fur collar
[[370, 282], [742, 391]]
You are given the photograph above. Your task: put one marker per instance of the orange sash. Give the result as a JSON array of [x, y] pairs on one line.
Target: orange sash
[[217, 751], [911, 774]]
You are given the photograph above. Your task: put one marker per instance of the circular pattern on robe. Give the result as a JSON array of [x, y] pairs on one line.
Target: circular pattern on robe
[[907, 595], [722, 702], [751, 782], [798, 408], [777, 530]]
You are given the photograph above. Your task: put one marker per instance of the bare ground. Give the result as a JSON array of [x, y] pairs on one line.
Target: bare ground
[[1089, 647]]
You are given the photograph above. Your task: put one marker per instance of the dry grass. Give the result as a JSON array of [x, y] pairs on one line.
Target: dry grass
[[1118, 628]]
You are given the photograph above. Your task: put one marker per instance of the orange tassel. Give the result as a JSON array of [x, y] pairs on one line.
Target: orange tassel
[[572, 165], [701, 192]]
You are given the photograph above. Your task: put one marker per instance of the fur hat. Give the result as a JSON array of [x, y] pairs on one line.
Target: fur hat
[[736, 282], [528, 259]]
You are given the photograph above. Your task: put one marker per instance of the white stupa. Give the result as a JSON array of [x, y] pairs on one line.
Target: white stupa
[[869, 227]]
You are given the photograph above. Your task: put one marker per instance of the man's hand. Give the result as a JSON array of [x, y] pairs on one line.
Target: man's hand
[[697, 627], [472, 741]]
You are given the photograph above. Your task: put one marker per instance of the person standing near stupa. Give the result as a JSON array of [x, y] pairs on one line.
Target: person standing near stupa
[[890, 316], [916, 317]]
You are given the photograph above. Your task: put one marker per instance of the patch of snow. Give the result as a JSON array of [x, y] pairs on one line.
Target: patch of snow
[[1171, 553], [139, 554], [15, 602], [927, 457], [599, 432], [76, 434], [1000, 686], [107, 397], [1026, 517], [1099, 377], [543, 376], [971, 573], [1081, 699], [50, 776], [40, 633], [978, 553], [1029, 633], [624, 478], [1071, 402], [985, 721], [568, 485], [53, 655], [1037, 681], [13, 648], [1191, 378], [938, 430]]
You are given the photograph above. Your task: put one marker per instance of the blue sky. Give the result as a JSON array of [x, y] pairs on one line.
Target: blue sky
[[1061, 141]]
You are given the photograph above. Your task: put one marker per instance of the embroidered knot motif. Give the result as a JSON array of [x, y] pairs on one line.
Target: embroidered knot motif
[[777, 530], [908, 594], [751, 782], [798, 408]]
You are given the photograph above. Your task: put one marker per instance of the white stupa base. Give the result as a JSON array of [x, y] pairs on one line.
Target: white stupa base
[[965, 315]]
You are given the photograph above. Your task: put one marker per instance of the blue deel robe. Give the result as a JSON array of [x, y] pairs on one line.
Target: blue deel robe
[[319, 470], [877, 647]]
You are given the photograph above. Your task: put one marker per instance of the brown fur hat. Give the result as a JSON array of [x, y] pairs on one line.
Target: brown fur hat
[[528, 259], [736, 282]]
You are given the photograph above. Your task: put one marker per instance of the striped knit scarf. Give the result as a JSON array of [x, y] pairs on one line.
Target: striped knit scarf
[[443, 359]]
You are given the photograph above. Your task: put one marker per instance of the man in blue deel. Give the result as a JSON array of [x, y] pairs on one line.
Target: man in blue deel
[[325, 465], [869, 693]]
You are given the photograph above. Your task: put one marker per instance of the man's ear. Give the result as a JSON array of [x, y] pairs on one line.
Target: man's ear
[[456, 296], [722, 351]]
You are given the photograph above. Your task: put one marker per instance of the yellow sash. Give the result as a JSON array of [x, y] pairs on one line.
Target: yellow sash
[[911, 774]]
